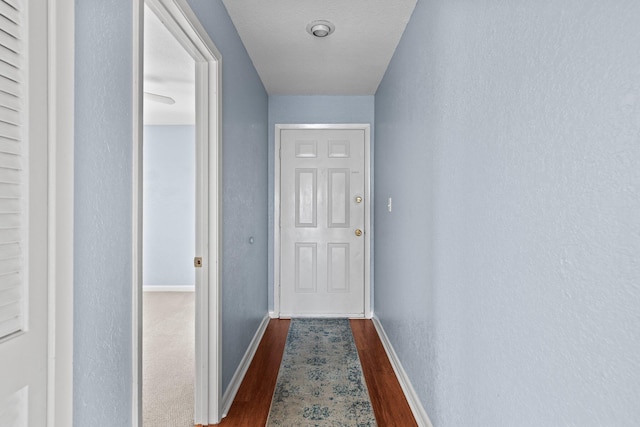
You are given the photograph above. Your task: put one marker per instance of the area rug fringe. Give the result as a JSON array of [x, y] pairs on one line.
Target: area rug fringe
[[320, 382]]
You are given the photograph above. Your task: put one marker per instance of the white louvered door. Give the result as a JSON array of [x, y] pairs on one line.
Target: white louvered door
[[322, 198], [23, 213]]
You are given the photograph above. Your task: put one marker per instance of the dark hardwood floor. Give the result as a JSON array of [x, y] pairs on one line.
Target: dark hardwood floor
[[387, 398], [253, 400]]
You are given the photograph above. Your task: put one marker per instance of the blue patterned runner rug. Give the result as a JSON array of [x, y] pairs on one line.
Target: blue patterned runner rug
[[320, 382]]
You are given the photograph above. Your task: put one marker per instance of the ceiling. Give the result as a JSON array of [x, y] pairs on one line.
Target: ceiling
[[290, 61], [169, 71]]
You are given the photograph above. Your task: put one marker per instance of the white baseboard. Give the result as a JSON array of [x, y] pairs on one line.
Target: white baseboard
[[414, 402], [188, 288], [274, 315], [238, 376]]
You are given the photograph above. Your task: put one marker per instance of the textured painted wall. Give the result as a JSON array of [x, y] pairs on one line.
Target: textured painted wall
[[102, 234], [244, 188], [507, 275], [169, 205], [312, 109], [102, 305]]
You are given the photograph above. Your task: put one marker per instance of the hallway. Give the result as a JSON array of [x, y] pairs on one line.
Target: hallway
[[251, 405], [505, 153]]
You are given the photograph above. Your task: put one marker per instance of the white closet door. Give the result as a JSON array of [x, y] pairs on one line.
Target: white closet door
[[23, 213]]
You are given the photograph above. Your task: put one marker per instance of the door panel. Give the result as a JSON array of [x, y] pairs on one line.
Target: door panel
[[339, 192], [306, 267], [322, 258], [306, 201], [23, 354], [338, 267]]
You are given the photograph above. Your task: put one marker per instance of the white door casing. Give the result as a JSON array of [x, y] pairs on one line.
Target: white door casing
[[323, 202], [24, 355], [60, 238]]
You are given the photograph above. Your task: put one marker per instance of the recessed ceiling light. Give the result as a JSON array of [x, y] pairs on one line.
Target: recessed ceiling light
[[320, 28]]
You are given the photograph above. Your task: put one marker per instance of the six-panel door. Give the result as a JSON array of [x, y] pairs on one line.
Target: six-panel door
[[322, 206]]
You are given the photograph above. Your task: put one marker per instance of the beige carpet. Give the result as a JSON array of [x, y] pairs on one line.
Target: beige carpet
[[168, 359]]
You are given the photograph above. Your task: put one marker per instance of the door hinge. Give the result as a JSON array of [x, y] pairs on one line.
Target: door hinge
[[197, 262]]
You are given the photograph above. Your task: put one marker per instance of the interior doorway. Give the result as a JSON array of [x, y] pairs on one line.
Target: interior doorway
[[168, 229], [176, 215]]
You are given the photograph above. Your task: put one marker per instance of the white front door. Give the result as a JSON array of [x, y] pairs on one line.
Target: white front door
[[322, 229], [23, 213]]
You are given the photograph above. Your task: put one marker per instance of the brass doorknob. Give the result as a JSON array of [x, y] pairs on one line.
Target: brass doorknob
[[358, 232], [358, 199]]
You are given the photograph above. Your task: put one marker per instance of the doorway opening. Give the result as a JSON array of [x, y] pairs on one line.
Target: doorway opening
[[168, 229], [176, 312]]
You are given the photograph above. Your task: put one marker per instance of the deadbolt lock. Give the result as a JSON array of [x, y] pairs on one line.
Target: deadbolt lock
[[358, 232], [358, 199], [197, 262]]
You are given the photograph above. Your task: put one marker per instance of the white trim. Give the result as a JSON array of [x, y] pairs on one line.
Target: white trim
[[182, 22], [136, 218], [215, 228], [238, 376], [202, 398], [60, 216], [320, 316], [412, 398], [276, 223], [368, 226], [187, 288]]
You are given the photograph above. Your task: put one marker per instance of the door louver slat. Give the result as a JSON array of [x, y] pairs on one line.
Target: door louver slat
[[13, 212]]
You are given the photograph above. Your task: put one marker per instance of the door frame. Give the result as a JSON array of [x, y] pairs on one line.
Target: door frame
[[60, 131], [367, 207], [182, 22]]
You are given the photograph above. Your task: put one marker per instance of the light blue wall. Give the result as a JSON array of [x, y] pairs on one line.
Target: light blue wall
[[507, 275], [311, 109], [102, 213], [103, 164], [169, 205], [244, 188]]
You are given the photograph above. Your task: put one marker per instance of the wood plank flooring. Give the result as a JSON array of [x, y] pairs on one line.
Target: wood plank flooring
[[253, 400], [387, 398]]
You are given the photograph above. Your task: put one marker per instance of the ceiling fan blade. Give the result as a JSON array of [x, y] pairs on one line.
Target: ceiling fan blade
[[148, 96]]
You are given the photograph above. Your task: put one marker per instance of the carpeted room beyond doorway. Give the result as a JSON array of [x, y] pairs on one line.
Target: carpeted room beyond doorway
[[168, 354]]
